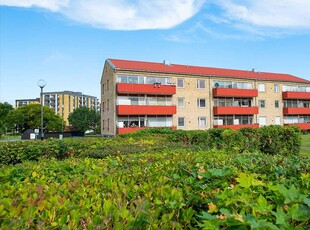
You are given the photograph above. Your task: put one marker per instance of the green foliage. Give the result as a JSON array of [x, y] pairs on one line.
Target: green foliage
[[280, 139], [173, 189], [29, 116], [5, 108], [271, 140], [84, 119]]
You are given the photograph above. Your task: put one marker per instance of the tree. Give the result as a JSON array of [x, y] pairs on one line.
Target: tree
[[29, 116], [84, 119], [5, 108]]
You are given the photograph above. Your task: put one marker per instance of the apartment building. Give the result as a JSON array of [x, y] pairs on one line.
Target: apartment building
[[63, 102], [136, 95], [22, 102]]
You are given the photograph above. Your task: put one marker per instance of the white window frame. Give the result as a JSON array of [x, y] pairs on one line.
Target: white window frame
[[277, 120], [260, 104], [276, 88], [199, 102], [278, 104], [261, 87], [260, 121], [199, 82], [181, 99], [180, 85], [179, 121], [200, 123]]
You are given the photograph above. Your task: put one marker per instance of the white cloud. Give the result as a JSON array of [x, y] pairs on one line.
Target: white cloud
[[119, 14], [291, 14], [53, 5]]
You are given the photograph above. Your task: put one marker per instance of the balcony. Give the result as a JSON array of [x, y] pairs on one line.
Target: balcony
[[236, 127], [296, 95], [155, 89], [145, 110], [234, 110], [302, 126], [233, 92], [296, 111], [135, 129]]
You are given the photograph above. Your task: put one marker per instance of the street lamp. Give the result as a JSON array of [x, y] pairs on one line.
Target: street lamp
[[62, 122], [42, 84]]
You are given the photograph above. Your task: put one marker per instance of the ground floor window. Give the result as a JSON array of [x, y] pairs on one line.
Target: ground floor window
[[262, 121], [181, 121], [144, 121], [202, 121], [233, 120], [296, 119]]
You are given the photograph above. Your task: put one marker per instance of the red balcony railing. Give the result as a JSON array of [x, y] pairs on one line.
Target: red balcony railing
[[155, 89], [234, 110], [296, 111], [230, 92], [235, 127], [145, 110], [134, 129], [302, 126], [296, 95]]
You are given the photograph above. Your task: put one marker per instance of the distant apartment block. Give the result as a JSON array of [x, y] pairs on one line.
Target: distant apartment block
[[136, 95], [64, 102], [22, 102]]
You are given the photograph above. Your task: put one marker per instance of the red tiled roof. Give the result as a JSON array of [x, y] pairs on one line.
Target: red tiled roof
[[204, 71]]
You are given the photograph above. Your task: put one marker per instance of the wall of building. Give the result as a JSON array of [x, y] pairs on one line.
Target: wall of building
[[191, 112], [108, 101]]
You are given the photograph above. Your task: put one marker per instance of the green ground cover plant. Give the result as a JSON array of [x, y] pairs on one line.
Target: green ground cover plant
[[157, 179], [173, 189]]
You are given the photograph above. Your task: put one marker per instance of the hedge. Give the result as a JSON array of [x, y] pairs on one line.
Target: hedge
[[269, 140]]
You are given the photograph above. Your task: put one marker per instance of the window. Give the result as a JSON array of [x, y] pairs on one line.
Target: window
[[262, 121], [276, 104], [262, 103], [261, 87], [103, 124], [103, 107], [181, 102], [201, 102], [202, 121], [201, 84], [276, 88], [181, 122], [278, 121], [108, 102], [102, 88], [180, 83], [107, 85], [108, 124]]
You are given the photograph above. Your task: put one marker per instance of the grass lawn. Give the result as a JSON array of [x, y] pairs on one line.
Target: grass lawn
[[10, 137], [305, 145], [305, 140]]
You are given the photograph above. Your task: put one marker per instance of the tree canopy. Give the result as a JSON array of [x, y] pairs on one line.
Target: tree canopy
[[83, 119], [29, 116], [5, 108]]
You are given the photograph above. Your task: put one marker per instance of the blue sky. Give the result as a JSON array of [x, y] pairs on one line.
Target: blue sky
[[65, 42]]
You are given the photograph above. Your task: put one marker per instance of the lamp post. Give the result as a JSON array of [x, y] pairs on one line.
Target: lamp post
[[42, 84], [62, 122]]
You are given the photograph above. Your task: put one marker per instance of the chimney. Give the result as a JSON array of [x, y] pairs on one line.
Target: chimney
[[166, 62]]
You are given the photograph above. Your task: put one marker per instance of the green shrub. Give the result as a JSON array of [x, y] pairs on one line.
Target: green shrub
[[233, 140], [251, 140], [276, 139]]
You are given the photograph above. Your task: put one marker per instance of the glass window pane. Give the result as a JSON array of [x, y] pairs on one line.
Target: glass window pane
[[180, 82]]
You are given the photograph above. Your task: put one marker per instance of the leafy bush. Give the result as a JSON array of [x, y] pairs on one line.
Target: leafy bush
[[174, 189], [270, 140], [280, 139]]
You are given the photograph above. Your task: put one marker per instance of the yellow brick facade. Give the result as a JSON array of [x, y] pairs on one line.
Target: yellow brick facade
[[190, 111]]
